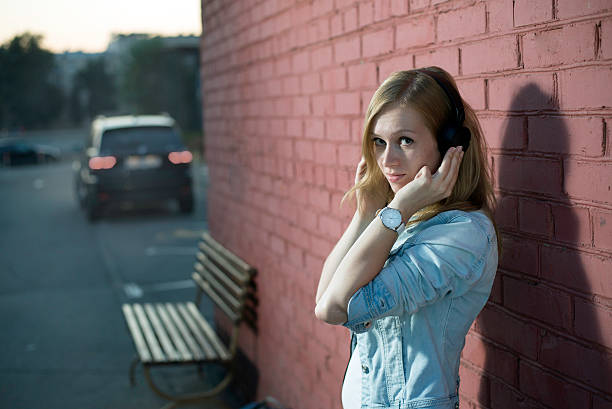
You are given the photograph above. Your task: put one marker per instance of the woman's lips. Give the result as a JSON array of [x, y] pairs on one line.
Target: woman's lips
[[394, 178]]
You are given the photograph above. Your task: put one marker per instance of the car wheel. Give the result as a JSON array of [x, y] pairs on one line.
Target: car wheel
[[186, 204]]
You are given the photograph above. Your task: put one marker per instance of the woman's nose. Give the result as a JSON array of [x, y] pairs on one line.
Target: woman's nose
[[390, 156]]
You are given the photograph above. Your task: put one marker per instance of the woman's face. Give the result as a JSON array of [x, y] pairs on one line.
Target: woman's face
[[402, 145]]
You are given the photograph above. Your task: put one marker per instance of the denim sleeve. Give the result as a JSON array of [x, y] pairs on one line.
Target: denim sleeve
[[446, 260]]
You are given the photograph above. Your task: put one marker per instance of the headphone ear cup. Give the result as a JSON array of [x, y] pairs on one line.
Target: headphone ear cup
[[462, 137]]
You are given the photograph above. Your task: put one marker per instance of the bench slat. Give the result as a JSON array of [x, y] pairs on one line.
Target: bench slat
[[168, 348], [219, 259], [141, 346], [185, 355], [218, 300], [230, 299], [156, 351], [241, 264], [193, 345], [208, 331], [197, 332], [237, 290]]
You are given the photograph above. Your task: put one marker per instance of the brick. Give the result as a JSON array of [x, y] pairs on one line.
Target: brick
[[589, 87], [584, 272], [388, 66], [602, 229], [347, 103], [551, 390], [506, 213], [301, 15], [338, 129], [382, 10], [473, 385], [314, 128], [593, 322], [571, 8], [418, 4], [323, 104], [291, 85], [366, 13], [277, 245], [330, 227], [304, 150], [572, 224], [417, 32], [588, 180], [532, 11], [334, 80], [321, 7], [325, 153], [538, 301], [522, 92], [294, 127], [477, 57], [592, 369], [362, 75], [319, 198], [606, 39], [318, 30], [472, 91], [377, 43], [504, 132], [541, 176], [500, 15], [565, 45], [520, 256], [399, 7], [347, 50], [566, 135], [349, 18], [446, 58], [491, 359], [300, 62], [504, 396], [515, 334], [310, 83], [535, 217], [349, 155], [321, 57], [336, 25], [301, 106], [460, 23]]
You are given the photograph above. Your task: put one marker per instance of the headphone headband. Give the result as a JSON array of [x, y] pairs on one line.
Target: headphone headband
[[451, 93]]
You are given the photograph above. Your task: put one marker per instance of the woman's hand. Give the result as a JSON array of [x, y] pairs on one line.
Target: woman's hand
[[371, 204], [425, 188]]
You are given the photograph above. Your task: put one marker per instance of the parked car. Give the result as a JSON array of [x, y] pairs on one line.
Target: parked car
[[136, 159], [20, 152]]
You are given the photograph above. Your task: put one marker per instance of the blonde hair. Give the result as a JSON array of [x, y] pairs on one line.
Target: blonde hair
[[473, 189]]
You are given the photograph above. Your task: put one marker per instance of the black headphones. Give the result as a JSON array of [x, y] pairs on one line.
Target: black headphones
[[453, 133]]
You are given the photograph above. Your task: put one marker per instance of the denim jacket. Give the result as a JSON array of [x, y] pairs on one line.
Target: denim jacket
[[411, 320]]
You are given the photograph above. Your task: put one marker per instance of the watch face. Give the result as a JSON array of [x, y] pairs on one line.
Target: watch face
[[392, 218]]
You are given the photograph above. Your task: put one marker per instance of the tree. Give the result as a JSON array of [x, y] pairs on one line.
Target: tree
[[29, 94], [93, 91], [159, 79]]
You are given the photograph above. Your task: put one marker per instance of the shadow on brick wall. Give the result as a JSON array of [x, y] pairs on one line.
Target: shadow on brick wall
[[539, 351]]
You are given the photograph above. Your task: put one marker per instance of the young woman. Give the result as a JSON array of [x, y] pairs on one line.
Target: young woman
[[417, 262]]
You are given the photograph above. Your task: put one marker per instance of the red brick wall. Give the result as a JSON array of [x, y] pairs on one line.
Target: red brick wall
[[285, 86]]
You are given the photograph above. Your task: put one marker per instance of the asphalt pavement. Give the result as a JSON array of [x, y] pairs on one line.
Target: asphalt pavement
[[64, 343]]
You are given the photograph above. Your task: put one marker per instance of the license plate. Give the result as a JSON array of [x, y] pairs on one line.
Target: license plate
[[143, 162]]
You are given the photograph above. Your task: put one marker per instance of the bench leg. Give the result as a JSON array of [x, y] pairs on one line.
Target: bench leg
[[135, 363], [188, 398]]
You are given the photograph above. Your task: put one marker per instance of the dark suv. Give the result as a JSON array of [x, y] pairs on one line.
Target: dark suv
[[136, 159]]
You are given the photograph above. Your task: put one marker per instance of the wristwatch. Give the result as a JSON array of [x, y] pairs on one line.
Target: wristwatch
[[391, 219]]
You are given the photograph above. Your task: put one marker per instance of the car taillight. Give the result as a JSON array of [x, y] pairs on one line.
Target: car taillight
[[180, 157], [102, 162]]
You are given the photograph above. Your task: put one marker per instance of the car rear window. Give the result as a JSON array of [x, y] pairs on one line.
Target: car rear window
[[140, 140]]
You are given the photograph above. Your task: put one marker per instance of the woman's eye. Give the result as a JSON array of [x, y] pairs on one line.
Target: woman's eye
[[405, 140], [378, 142]]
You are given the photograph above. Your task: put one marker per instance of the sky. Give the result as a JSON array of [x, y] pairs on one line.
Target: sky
[[87, 25]]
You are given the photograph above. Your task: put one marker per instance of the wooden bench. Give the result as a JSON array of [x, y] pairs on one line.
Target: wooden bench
[[178, 334]]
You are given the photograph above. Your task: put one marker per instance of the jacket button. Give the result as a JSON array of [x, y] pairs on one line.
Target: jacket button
[[365, 369], [456, 405], [367, 324]]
